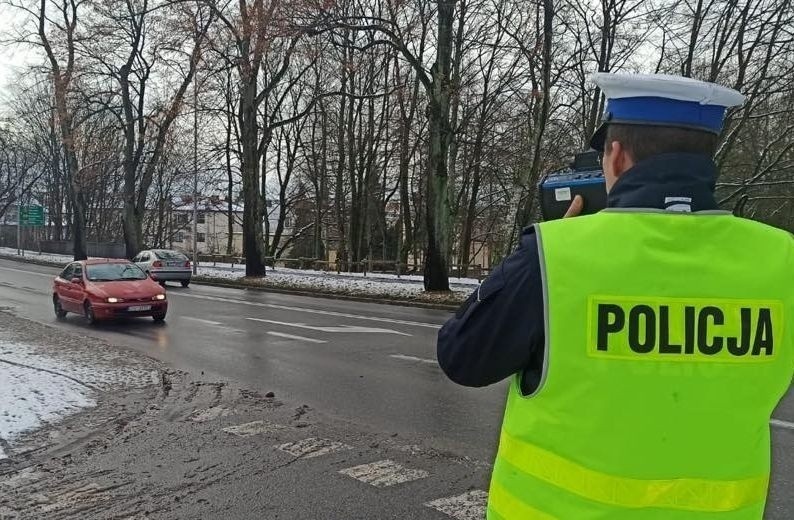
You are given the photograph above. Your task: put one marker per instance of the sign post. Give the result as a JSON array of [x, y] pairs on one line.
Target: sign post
[[30, 215], [19, 229]]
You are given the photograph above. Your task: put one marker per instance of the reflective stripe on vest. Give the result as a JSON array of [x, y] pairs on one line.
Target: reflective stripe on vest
[[683, 493], [666, 352]]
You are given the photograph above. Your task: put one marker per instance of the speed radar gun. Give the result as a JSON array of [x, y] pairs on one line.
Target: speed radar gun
[[584, 177]]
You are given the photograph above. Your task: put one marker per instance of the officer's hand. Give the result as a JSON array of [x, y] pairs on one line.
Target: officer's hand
[[575, 208]]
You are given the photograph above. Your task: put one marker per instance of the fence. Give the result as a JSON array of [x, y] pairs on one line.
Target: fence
[[98, 249], [366, 266]]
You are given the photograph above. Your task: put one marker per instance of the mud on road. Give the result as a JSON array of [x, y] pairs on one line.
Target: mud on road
[[166, 445]]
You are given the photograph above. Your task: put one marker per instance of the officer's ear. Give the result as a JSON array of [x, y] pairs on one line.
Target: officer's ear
[[615, 162]]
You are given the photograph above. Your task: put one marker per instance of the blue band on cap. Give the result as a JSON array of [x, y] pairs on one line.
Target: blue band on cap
[[665, 111]]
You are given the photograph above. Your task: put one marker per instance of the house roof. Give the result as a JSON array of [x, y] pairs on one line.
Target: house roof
[[220, 207]]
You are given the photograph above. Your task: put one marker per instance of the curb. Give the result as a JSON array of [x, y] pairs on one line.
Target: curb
[[214, 282], [218, 282], [30, 260]]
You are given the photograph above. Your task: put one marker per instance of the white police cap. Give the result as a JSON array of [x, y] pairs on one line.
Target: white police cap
[[662, 100]]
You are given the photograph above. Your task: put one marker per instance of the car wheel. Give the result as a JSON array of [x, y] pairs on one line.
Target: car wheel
[[58, 308], [158, 318], [90, 317], [185, 283]]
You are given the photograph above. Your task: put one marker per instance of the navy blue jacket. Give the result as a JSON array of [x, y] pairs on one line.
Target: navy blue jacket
[[499, 329]]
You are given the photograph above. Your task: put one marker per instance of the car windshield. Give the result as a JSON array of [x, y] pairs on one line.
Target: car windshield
[[170, 255], [112, 272]]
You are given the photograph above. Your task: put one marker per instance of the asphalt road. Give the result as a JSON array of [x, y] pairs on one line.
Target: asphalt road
[[368, 364]]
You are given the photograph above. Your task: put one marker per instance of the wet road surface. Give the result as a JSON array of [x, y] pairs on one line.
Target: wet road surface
[[364, 363]]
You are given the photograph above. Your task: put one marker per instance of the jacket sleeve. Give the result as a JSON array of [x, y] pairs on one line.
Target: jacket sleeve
[[499, 330]]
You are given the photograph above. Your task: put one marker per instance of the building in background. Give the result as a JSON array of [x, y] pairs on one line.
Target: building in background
[[212, 226]]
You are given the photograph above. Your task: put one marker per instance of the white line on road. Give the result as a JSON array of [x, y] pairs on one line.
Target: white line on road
[[209, 414], [310, 311], [341, 329], [414, 358], [253, 428], [290, 336], [200, 320], [45, 275], [468, 506], [782, 424], [219, 326], [384, 473], [312, 447]]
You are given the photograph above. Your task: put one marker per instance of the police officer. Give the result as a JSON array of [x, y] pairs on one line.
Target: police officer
[[645, 342]]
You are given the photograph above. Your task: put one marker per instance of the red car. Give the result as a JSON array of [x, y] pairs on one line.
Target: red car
[[101, 289]]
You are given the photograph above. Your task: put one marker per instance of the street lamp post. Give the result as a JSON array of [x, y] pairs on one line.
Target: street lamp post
[[195, 175], [19, 220]]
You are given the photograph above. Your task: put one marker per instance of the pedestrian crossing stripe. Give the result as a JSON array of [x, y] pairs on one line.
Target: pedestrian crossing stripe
[[468, 506], [253, 428], [312, 447], [384, 473]]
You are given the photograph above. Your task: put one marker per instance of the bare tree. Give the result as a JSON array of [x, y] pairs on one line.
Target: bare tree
[[57, 33], [137, 37]]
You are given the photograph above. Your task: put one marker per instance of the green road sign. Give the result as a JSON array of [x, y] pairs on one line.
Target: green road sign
[[31, 215]]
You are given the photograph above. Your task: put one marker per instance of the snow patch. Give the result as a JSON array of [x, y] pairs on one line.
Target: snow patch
[[331, 282], [39, 388], [45, 257], [102, 370], [33, 398]]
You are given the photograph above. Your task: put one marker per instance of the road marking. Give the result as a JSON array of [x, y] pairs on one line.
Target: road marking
[[253, 428], [45, 275], [414, 358], [209, 414], [291, 336], [312, 447], [384, 473], [200, 320], [468, 506], [219, 326], [341, 329], [782, 424], [310, 311]]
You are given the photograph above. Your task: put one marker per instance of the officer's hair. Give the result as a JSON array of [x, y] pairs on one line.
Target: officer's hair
[[644, 141]]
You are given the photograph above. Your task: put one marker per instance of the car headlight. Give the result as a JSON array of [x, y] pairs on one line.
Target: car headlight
[[114, 300], [159, 297]]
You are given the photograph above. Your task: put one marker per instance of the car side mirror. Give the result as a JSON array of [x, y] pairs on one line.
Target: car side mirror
[[78, 281]]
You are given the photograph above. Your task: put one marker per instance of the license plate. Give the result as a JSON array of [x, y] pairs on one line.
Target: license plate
[[139, 308], [175, 264]]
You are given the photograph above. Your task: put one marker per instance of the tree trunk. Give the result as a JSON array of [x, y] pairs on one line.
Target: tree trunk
[[56, 202], [229, 173], [339, 188], [436, 277], [406, 118], [355, 201], [471, 209], [321, 195], [129, 220], [253, 241]]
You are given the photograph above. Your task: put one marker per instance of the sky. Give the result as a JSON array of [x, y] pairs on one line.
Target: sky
[[13, 58]]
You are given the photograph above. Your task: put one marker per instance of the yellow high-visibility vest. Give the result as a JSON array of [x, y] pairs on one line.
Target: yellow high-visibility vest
[[667, 348]]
